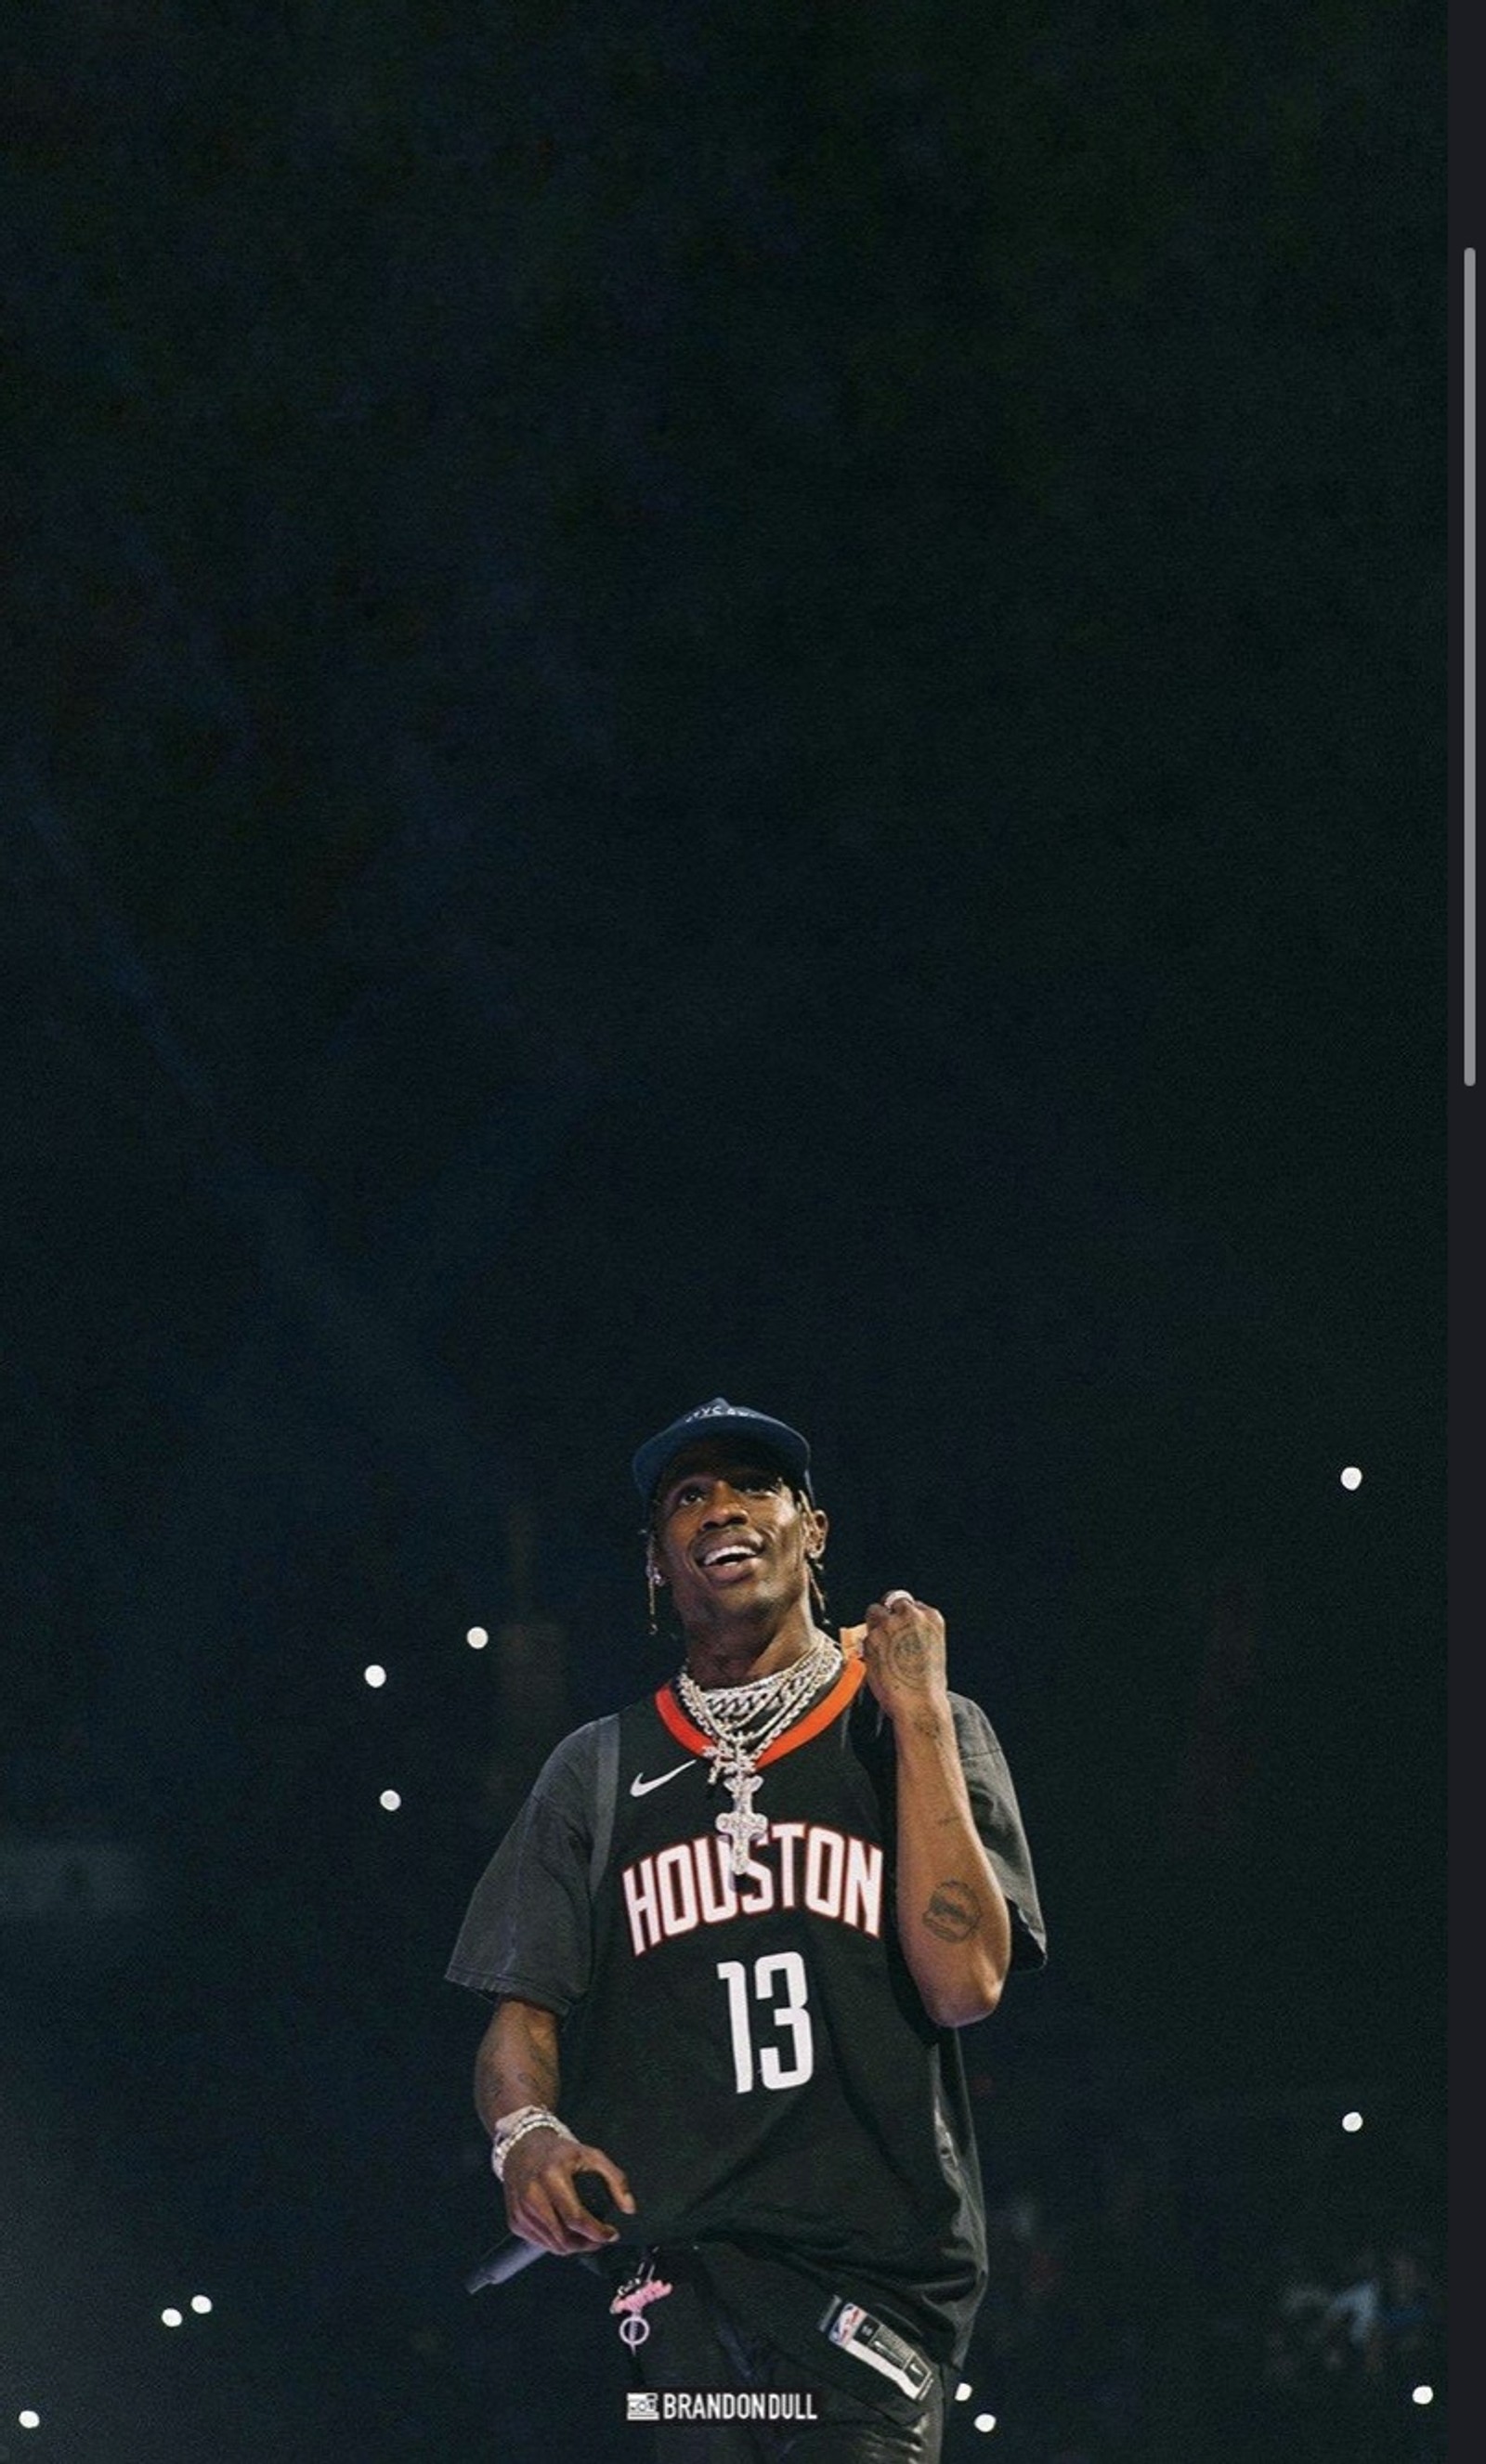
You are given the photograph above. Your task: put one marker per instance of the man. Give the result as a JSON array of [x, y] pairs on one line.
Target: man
[[731, 1938]]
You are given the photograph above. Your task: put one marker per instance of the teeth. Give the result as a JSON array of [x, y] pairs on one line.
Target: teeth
[[725, 1556]]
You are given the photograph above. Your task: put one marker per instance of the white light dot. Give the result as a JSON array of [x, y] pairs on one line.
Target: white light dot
[[201, 2303], [390, 1800], [985, 2421], [1351, 1478], [172, 2318], [1423, 2395], [477, 1638], [963, 2392], [1351, 2121], [28, 2420], [374, 1675]]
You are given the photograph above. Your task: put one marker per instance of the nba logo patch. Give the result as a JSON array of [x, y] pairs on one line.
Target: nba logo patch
[[873, 2341]]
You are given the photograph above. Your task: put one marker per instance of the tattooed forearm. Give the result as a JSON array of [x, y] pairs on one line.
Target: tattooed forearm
[[518, 2060], [953, 1913]]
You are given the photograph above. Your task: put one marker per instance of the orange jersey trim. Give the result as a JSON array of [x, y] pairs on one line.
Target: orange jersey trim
[[686, 1733]]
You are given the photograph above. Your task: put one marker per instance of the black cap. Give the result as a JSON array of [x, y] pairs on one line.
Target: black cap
[[720, 1419]]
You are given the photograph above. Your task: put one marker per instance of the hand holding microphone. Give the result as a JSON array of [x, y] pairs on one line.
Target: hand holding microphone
[[513, 2253]]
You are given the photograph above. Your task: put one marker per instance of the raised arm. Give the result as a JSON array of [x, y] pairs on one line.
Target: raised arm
[[954, 1923], [517, 2065]]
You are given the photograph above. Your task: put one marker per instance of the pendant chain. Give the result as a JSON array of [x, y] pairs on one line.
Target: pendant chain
[[742, 1720], [745, 1719]]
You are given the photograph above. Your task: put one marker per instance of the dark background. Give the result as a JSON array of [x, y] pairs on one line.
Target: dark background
[[709, 701]]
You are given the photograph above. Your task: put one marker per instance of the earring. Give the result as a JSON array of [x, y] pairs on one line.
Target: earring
[[652, 1582]]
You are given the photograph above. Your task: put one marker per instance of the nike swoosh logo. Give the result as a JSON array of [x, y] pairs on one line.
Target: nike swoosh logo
[[638, 1786]]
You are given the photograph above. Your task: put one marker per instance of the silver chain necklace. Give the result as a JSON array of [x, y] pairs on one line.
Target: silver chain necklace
[[741, 1721]]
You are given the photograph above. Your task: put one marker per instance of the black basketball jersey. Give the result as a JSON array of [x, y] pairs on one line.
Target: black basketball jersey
[[752, 2047], [749, 2044]]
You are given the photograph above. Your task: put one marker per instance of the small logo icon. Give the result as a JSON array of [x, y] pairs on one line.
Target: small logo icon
[[645, 2405], [638, 1786]]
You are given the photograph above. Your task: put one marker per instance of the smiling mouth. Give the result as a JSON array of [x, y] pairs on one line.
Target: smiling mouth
[[728, 1561]]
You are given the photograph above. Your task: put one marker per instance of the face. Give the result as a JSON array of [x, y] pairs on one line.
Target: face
[[731, 1536]]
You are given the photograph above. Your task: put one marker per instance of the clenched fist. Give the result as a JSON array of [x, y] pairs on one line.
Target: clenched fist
[[904, 1648]]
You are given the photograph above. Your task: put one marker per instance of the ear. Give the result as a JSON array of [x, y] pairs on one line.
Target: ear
[[816, 1526]]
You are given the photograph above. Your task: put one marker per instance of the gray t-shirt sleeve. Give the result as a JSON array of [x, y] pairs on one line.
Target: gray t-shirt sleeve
[[528, 1929], [997, 1816]]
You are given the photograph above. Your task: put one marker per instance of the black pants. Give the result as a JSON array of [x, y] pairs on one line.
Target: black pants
[[695, 2344]]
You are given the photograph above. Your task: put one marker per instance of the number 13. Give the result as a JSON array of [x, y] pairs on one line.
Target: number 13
[[791, 2012]]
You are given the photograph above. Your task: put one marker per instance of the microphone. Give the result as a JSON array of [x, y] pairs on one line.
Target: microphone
[[511, 2253]]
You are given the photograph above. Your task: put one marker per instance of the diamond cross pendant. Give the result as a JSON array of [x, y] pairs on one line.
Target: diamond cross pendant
[[742, 1826]]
